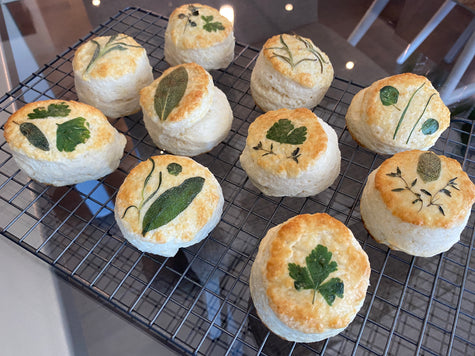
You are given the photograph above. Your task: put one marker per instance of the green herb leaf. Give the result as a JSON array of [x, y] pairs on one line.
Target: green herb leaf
[[34, 135], [283, 132], [171, 203], [174, 169], [211, 26], [430, 126], [389, 95], [53, 110], [318, 268], [71, 133], [169, 92], [332, 289], [113, 44], [429, 166]]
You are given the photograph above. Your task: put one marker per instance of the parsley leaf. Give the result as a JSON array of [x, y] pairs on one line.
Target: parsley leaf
[[53, 110], [211, 26], [318, 268], [283, 131], [71, 133]]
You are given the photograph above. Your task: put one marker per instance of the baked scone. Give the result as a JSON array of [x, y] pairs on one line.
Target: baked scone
[[166, 203], [184, 113], [109, 72], [290, 72], [398, 113], [309, 278], [417, 202], [200, 34], [291, 153], [62, 142]]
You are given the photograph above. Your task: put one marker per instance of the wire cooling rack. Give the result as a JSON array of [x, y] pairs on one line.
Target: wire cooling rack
[[199, 300]]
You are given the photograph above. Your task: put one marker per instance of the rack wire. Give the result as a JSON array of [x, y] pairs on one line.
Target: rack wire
[[199, 300]]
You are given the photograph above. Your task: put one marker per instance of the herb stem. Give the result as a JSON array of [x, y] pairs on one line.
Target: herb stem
[[423, 111], [405, 110]]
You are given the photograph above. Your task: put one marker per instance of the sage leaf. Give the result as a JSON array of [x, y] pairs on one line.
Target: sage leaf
[[34, 135], [430, 126], [389, 95], [429, 166], [71, 133], [174, 169], [171, 203], [283, 131], [170, 91], [53, 110]]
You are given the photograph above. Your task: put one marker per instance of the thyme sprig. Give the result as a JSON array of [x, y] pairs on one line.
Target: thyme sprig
[[445, 190], [295, 155], [289, 58], [113, 44], [260, 147], [433, 198], [193, 11], [407, 187]]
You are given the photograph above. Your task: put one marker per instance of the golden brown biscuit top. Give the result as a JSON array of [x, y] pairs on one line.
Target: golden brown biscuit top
[[107, 57], [303, 309], [405, 107], [179, 91], [423, 188], [155, 187], [195, 26], [297, 58], [50, 129], [286, 142]]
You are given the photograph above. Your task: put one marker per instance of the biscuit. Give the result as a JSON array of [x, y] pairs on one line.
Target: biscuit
[[166, 203], [291, 153], [62, 142], [417, 202], [109, 72], [397, 113], [184, 113], [323, 304], [199, 34], [290, 72]]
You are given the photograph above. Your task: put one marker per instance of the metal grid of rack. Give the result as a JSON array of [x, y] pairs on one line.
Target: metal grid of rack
[[199, 300]]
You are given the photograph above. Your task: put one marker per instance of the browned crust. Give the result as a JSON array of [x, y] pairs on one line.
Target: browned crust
[[197, 37], [295, 308], [314, 146], [307, 72], [197, 89], [400, 203]]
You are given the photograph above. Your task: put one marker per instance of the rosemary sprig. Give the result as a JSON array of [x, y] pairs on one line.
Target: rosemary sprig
[[113, 44], [288, 57]]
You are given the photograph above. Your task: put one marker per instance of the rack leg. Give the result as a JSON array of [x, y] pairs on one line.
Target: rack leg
[[428, 28]]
